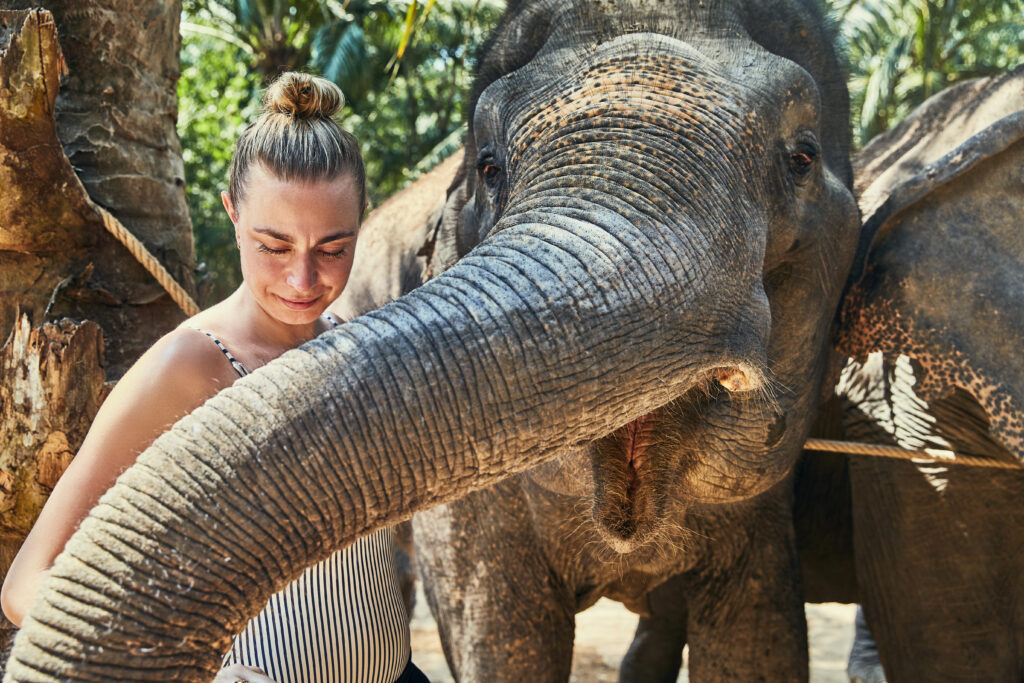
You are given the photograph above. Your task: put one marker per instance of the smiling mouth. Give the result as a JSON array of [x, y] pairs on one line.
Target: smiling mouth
[[298, 304]]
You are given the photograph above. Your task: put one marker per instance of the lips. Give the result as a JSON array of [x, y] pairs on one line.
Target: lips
[[299, 304]]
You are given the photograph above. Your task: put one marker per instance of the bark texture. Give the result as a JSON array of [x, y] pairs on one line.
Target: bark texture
[[114, 119], [52, 385], [106, 137]]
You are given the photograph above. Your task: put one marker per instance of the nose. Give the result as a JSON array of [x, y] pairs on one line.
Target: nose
[[302, 274]]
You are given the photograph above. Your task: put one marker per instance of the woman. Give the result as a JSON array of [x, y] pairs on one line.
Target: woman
[[296, 197]]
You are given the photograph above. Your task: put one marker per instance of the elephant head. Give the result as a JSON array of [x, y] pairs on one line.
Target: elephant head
[[736, 155], [654, 203]]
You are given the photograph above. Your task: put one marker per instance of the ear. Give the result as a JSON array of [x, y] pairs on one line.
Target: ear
[[943, 139], [225, 199], [939, 287]]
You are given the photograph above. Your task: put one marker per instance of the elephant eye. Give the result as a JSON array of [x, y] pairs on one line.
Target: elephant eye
[[802, 161], [490, 170]]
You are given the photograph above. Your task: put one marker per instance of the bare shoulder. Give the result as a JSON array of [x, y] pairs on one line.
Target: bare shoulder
[[177, 374], [186, 358]]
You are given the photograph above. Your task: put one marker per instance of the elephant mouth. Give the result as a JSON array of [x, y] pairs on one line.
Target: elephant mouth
[[624, 507], [634, 465]]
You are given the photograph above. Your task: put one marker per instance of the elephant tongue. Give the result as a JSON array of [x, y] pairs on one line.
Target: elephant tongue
[[636, 438]]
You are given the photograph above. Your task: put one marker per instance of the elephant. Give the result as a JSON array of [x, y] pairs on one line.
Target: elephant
[[506, 569], [933, 329], [637, 273], [927, 350]]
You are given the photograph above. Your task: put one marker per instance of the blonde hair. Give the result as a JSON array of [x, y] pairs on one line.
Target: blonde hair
[[295, 136]]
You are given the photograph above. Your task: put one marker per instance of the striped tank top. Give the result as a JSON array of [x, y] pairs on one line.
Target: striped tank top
[[342, 621]]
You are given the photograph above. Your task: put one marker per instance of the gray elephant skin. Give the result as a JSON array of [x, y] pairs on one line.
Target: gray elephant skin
[[642, 259], [934, 326]]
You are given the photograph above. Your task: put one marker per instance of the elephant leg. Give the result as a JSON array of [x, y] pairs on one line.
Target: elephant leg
[[746, 618], [940, 553], [501, 612], [405, 565], [656, 653]]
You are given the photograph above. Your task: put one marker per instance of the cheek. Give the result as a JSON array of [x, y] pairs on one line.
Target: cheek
[[257, 269], [337, 272]]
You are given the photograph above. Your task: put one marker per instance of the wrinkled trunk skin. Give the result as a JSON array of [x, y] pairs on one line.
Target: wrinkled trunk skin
[[115, 117], [612, 276]]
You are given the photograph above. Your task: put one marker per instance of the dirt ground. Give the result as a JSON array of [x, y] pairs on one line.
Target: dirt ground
[[604, 631]]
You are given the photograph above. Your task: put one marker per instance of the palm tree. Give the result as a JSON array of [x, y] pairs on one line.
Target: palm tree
[[904, 51], [76, 309], [279, 35]]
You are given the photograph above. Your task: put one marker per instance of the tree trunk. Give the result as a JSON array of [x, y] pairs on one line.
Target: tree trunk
[[107, 139], [115, 117]]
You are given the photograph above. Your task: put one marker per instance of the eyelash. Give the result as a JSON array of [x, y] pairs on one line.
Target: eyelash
[[277, 252]]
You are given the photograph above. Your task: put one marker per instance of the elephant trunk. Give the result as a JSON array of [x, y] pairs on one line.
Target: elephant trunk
[[552, 333]]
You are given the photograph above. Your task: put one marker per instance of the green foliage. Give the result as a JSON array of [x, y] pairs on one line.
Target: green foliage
[[216, 99], [901, 52], [418, 112], [408, 113], [297, 35]]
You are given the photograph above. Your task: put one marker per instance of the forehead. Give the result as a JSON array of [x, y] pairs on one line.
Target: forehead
[[317, 207], [651, 78]]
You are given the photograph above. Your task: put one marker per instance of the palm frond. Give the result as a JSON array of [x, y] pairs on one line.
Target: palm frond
[[339, 54], [440, 152], [188, 27]]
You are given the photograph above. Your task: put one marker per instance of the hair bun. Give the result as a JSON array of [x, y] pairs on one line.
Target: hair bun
[[303, 96]]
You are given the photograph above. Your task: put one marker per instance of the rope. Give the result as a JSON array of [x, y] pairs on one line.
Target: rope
[[148, 261], [928, 456]]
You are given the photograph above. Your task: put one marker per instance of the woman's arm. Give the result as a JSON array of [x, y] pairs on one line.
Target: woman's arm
[[178, 374]]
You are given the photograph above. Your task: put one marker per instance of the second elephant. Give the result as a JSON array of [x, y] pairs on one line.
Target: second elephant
[[935, 326]]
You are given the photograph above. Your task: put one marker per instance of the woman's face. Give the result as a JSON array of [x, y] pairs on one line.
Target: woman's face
[[296, 240]]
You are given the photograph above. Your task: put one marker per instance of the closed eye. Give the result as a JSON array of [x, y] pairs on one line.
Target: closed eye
[[267, 250]]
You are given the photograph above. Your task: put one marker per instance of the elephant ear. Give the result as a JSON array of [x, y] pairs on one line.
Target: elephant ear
[[396, 242], [939, 288]]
